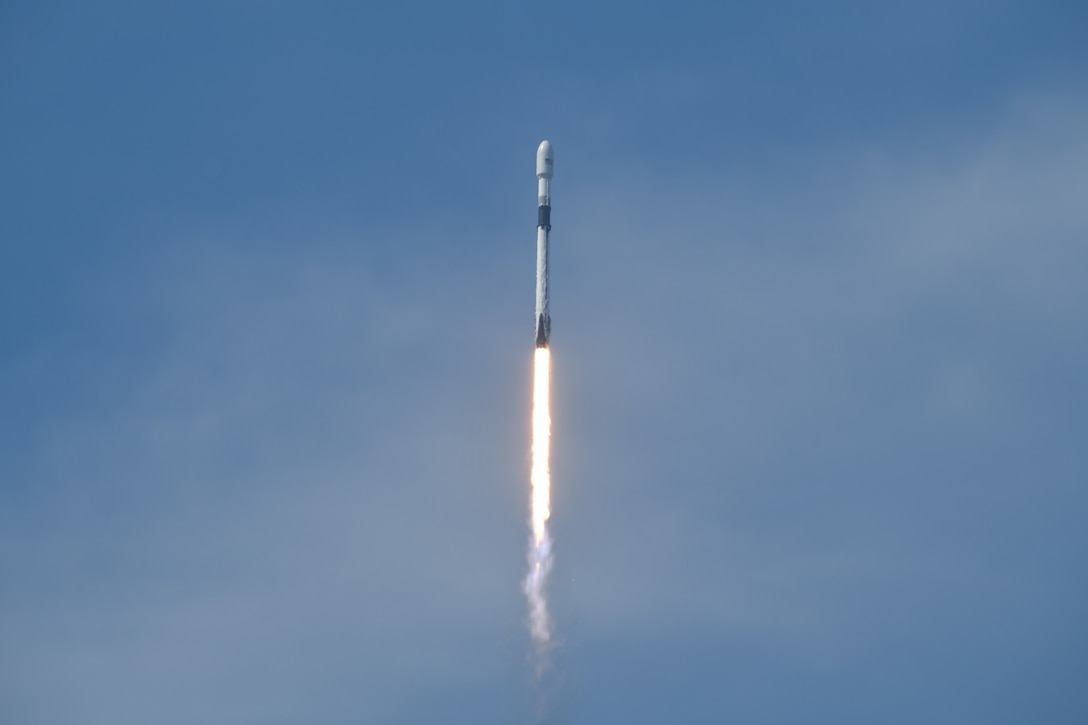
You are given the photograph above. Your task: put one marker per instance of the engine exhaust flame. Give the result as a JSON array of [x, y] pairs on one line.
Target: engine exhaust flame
[[540, 555]]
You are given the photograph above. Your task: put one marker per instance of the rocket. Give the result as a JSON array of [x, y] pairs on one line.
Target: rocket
[[544, 163]]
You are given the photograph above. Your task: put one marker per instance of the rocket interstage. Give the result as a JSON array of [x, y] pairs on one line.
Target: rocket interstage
[[544, 168], [540, 548]]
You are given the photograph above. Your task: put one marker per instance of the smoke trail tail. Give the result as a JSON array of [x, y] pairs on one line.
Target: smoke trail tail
[[540, 564]]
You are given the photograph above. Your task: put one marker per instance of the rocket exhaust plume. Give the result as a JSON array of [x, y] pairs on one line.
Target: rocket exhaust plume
[[540, 545], [540, 555]]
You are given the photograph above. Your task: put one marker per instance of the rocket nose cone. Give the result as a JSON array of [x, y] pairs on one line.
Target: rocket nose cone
[[544, 160]]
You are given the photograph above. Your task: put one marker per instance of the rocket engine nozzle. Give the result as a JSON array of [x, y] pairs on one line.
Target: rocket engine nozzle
[[543, 330]]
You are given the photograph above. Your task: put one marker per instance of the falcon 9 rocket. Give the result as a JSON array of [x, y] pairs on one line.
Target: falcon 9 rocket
[[544, 163]]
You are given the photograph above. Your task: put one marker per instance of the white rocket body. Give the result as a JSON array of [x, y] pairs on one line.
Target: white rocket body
[[544, 169]]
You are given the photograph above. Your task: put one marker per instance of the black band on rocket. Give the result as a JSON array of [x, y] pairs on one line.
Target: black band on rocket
[[544, 217]]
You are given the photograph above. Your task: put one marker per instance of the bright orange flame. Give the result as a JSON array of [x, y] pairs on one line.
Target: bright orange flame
[[540, 561], [540, 477]]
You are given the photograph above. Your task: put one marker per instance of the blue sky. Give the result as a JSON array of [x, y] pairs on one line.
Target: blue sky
[[266, 276]]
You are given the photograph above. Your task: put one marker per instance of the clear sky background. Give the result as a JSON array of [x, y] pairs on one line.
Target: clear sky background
[[819, 337]]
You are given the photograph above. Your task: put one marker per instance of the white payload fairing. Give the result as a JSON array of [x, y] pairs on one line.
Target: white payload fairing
[[544, 164]]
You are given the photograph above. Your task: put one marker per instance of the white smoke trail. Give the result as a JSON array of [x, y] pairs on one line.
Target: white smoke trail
[[540, 545]]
